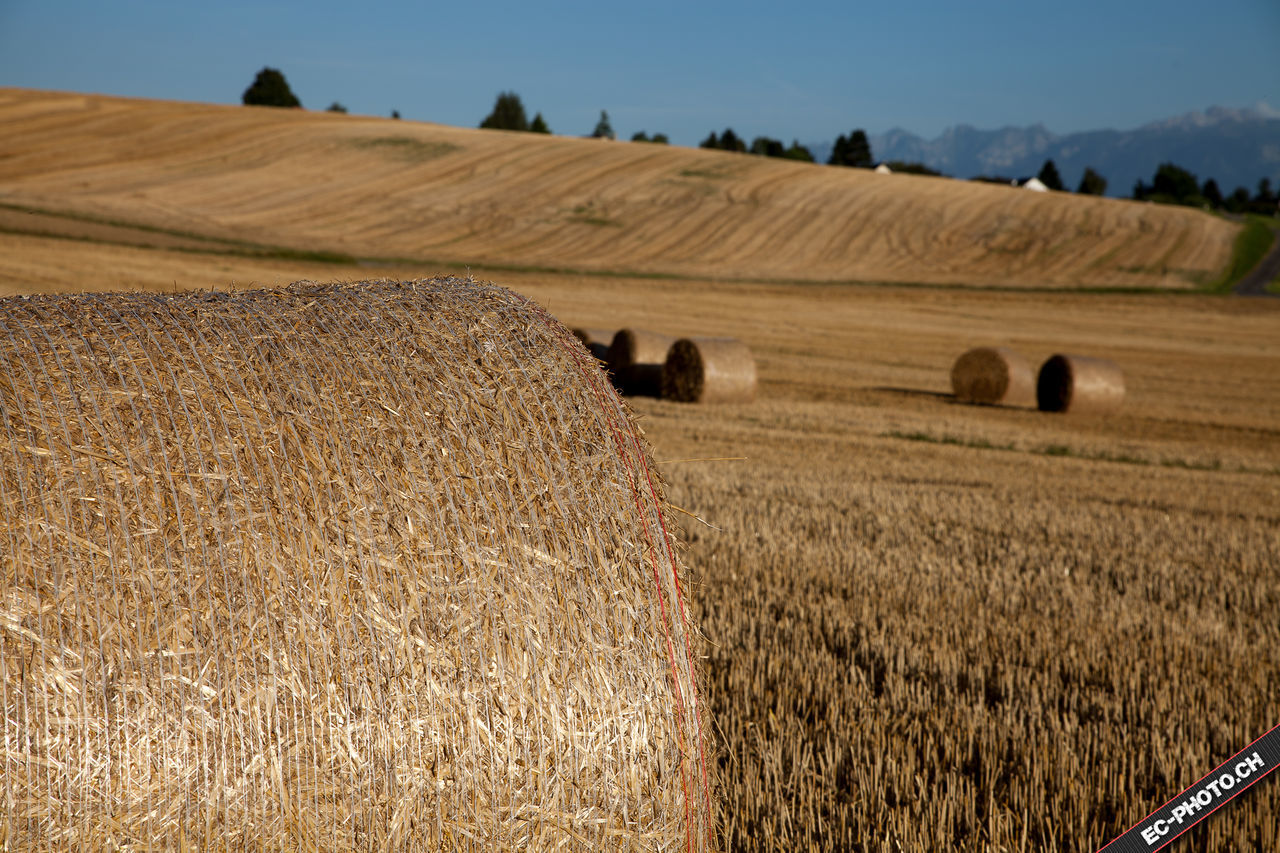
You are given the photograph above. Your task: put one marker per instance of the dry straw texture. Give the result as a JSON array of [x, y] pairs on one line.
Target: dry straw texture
[[596, 341], [709, 370], [375, 566], [994, 376], [1079, 383], [635, 360]]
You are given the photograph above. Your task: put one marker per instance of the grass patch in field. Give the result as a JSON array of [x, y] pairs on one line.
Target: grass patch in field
[[598, 221], [212, 245], [1215, 465], [407, 147], [586, 214], [713, 173], [1252, 244], [1065, 451], [975, 443]]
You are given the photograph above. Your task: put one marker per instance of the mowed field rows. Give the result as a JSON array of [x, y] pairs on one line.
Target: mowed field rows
[[377, 188], [930, 626]]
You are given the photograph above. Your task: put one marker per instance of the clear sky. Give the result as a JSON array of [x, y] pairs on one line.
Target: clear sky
[[807, 71]]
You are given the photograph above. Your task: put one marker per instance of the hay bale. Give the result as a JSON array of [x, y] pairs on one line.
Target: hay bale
[[709, 370], [595, 340], [635, 359], [994, 376], [1079, 383], [375, 566]]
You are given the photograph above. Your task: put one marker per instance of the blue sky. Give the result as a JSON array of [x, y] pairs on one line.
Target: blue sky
[[684, 68]]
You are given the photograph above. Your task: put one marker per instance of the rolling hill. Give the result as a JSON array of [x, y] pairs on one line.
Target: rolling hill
[[217, 178]]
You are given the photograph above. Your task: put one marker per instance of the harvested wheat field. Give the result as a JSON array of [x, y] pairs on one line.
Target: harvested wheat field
[[283, 572], [376, 188], [929, 626]]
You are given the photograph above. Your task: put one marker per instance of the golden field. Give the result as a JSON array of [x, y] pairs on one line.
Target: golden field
[[931, 626]]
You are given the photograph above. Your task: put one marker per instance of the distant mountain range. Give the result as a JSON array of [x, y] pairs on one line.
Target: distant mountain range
[[1235, 147]]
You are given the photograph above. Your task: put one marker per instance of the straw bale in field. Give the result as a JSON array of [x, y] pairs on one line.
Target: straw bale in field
[[709, 370], [595, 340], [1079, 383], [993, 376], [635, 360], [338, 567]]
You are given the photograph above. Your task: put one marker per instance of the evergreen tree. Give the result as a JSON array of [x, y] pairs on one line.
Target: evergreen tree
[[1174, 183], [539, 124], [729, 141], [1049, 176], [270, 89], [711, 141], [1092, 183], [336, 107], [1211, 193], [853, 150], [395, 114], [1265, 197], [640, 136], [1238, 201], [763, 146], [660, 138], [798, 152], [508, 114], [911, 168], [603, 130]]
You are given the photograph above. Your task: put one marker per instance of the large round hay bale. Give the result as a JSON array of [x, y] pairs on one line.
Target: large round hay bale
[[595, 340], [993, 376], [341, 567], [709, 370], [1079, 383], [635, 360]]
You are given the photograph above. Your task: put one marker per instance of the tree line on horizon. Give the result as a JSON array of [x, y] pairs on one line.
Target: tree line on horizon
[[1171, 183]]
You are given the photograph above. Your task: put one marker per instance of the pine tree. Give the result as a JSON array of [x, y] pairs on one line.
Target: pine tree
[[798, 152], [336, 107], [729, 141], [1091, 183], [1049, 176], [711, 141], [603, 129], [539, 124], [269, 89], [763, 146], [854, 150], [508, 114], [1211, 192]]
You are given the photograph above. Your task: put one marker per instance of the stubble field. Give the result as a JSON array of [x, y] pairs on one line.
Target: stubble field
[[930, 626]]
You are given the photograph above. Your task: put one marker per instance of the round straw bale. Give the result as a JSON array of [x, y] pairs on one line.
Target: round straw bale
[[994, 376], [1079, 383], [635, 360], [709, 370], [595, 340], [338, 567]]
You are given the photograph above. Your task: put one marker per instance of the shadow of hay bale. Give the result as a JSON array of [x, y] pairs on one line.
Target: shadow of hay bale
[[336, 567], [635, 359], [595, 340]]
